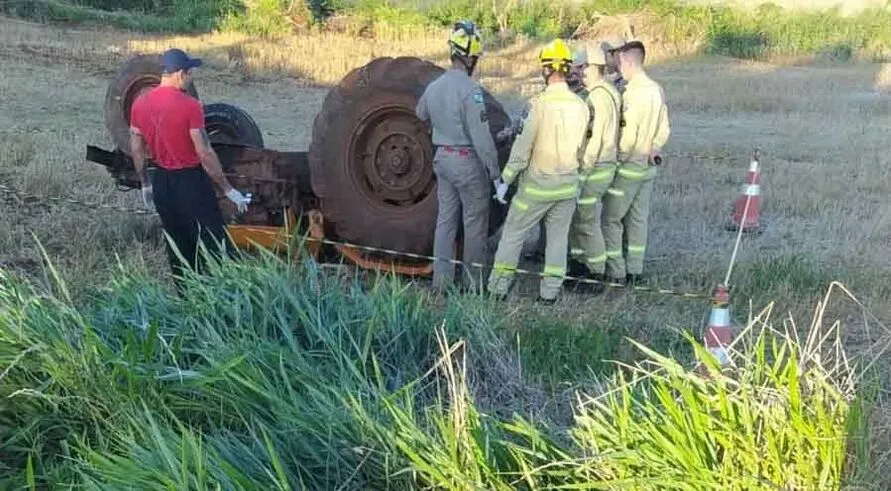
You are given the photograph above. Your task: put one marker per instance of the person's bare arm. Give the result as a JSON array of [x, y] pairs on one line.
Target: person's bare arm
[[209, 159], [137, 152]]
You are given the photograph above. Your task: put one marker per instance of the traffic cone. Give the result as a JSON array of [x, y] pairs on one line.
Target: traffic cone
[[749, 220], [719, 333]]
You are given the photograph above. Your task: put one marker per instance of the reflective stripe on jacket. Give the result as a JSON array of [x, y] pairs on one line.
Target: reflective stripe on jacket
[[644, 120], [548, 149], [602, 146]]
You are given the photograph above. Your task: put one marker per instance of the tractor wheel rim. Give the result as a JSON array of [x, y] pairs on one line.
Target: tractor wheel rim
[[136, 88], [392, 154]]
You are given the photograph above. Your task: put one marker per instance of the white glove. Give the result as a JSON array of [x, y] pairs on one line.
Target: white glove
[[148, 198], [500, 191], [240, 200]]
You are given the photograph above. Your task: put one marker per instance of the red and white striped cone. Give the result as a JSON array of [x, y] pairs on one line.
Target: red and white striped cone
[[749, 218], [719, 333]]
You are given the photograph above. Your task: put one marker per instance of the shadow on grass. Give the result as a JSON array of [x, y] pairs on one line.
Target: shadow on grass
[[557, 352], [751, 44], [790, 274]]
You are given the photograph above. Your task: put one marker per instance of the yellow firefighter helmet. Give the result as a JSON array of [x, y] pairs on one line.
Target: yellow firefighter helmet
[[556, 56], [465, 39]]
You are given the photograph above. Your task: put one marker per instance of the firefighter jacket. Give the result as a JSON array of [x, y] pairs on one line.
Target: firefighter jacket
[[645, 126], [547, 150], [455, 107], [602, 146]]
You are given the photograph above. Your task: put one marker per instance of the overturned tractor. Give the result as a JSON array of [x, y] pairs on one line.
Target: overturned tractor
[[367, 178]]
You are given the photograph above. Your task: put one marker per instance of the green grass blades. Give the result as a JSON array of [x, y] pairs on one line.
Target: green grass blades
[[775, 420], [270, 375]]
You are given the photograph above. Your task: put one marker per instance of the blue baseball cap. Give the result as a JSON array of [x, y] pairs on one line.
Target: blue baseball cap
[[174, 60]]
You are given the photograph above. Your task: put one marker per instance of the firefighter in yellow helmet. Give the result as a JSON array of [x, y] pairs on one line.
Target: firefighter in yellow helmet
[[544, 161], [644, 131], [465, 162], [587, 248]]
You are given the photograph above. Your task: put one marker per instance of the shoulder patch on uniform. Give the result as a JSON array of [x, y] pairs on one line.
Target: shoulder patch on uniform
[[478, 98]]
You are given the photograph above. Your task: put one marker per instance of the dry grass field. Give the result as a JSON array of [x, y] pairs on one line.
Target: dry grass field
[[822, 130], [843, 6]]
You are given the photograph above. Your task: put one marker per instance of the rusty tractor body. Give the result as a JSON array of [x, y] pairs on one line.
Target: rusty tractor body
[[367, 178]]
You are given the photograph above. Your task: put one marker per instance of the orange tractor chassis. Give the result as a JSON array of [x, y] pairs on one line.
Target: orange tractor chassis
[[291, 196]]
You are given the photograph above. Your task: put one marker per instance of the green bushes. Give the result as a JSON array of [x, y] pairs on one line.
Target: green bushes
[[178, 16], [765, 32], [271, 376], [265, 17], [768, 31]]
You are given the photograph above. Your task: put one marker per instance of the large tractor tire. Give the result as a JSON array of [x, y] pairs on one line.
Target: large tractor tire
[[231, 125], [138, 74], [371, 158]]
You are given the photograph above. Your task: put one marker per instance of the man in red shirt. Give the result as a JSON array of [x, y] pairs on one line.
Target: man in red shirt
[[167, 126]]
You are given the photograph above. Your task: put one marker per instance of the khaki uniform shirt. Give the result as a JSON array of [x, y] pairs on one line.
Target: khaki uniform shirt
[[455, 107], [547, 150], [644, 121], [602, 145]]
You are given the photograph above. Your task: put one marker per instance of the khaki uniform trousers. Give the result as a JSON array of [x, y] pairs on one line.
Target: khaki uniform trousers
[[626, 209], [463, 193], [524, 214], [586, 243]]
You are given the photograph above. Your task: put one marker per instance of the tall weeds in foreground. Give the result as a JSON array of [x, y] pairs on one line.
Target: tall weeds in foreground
[[274, 376], [779, 423], [777, 420]]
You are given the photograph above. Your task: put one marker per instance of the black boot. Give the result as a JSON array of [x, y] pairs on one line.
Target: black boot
[[633, 279], [594, 287], [575, 269]]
